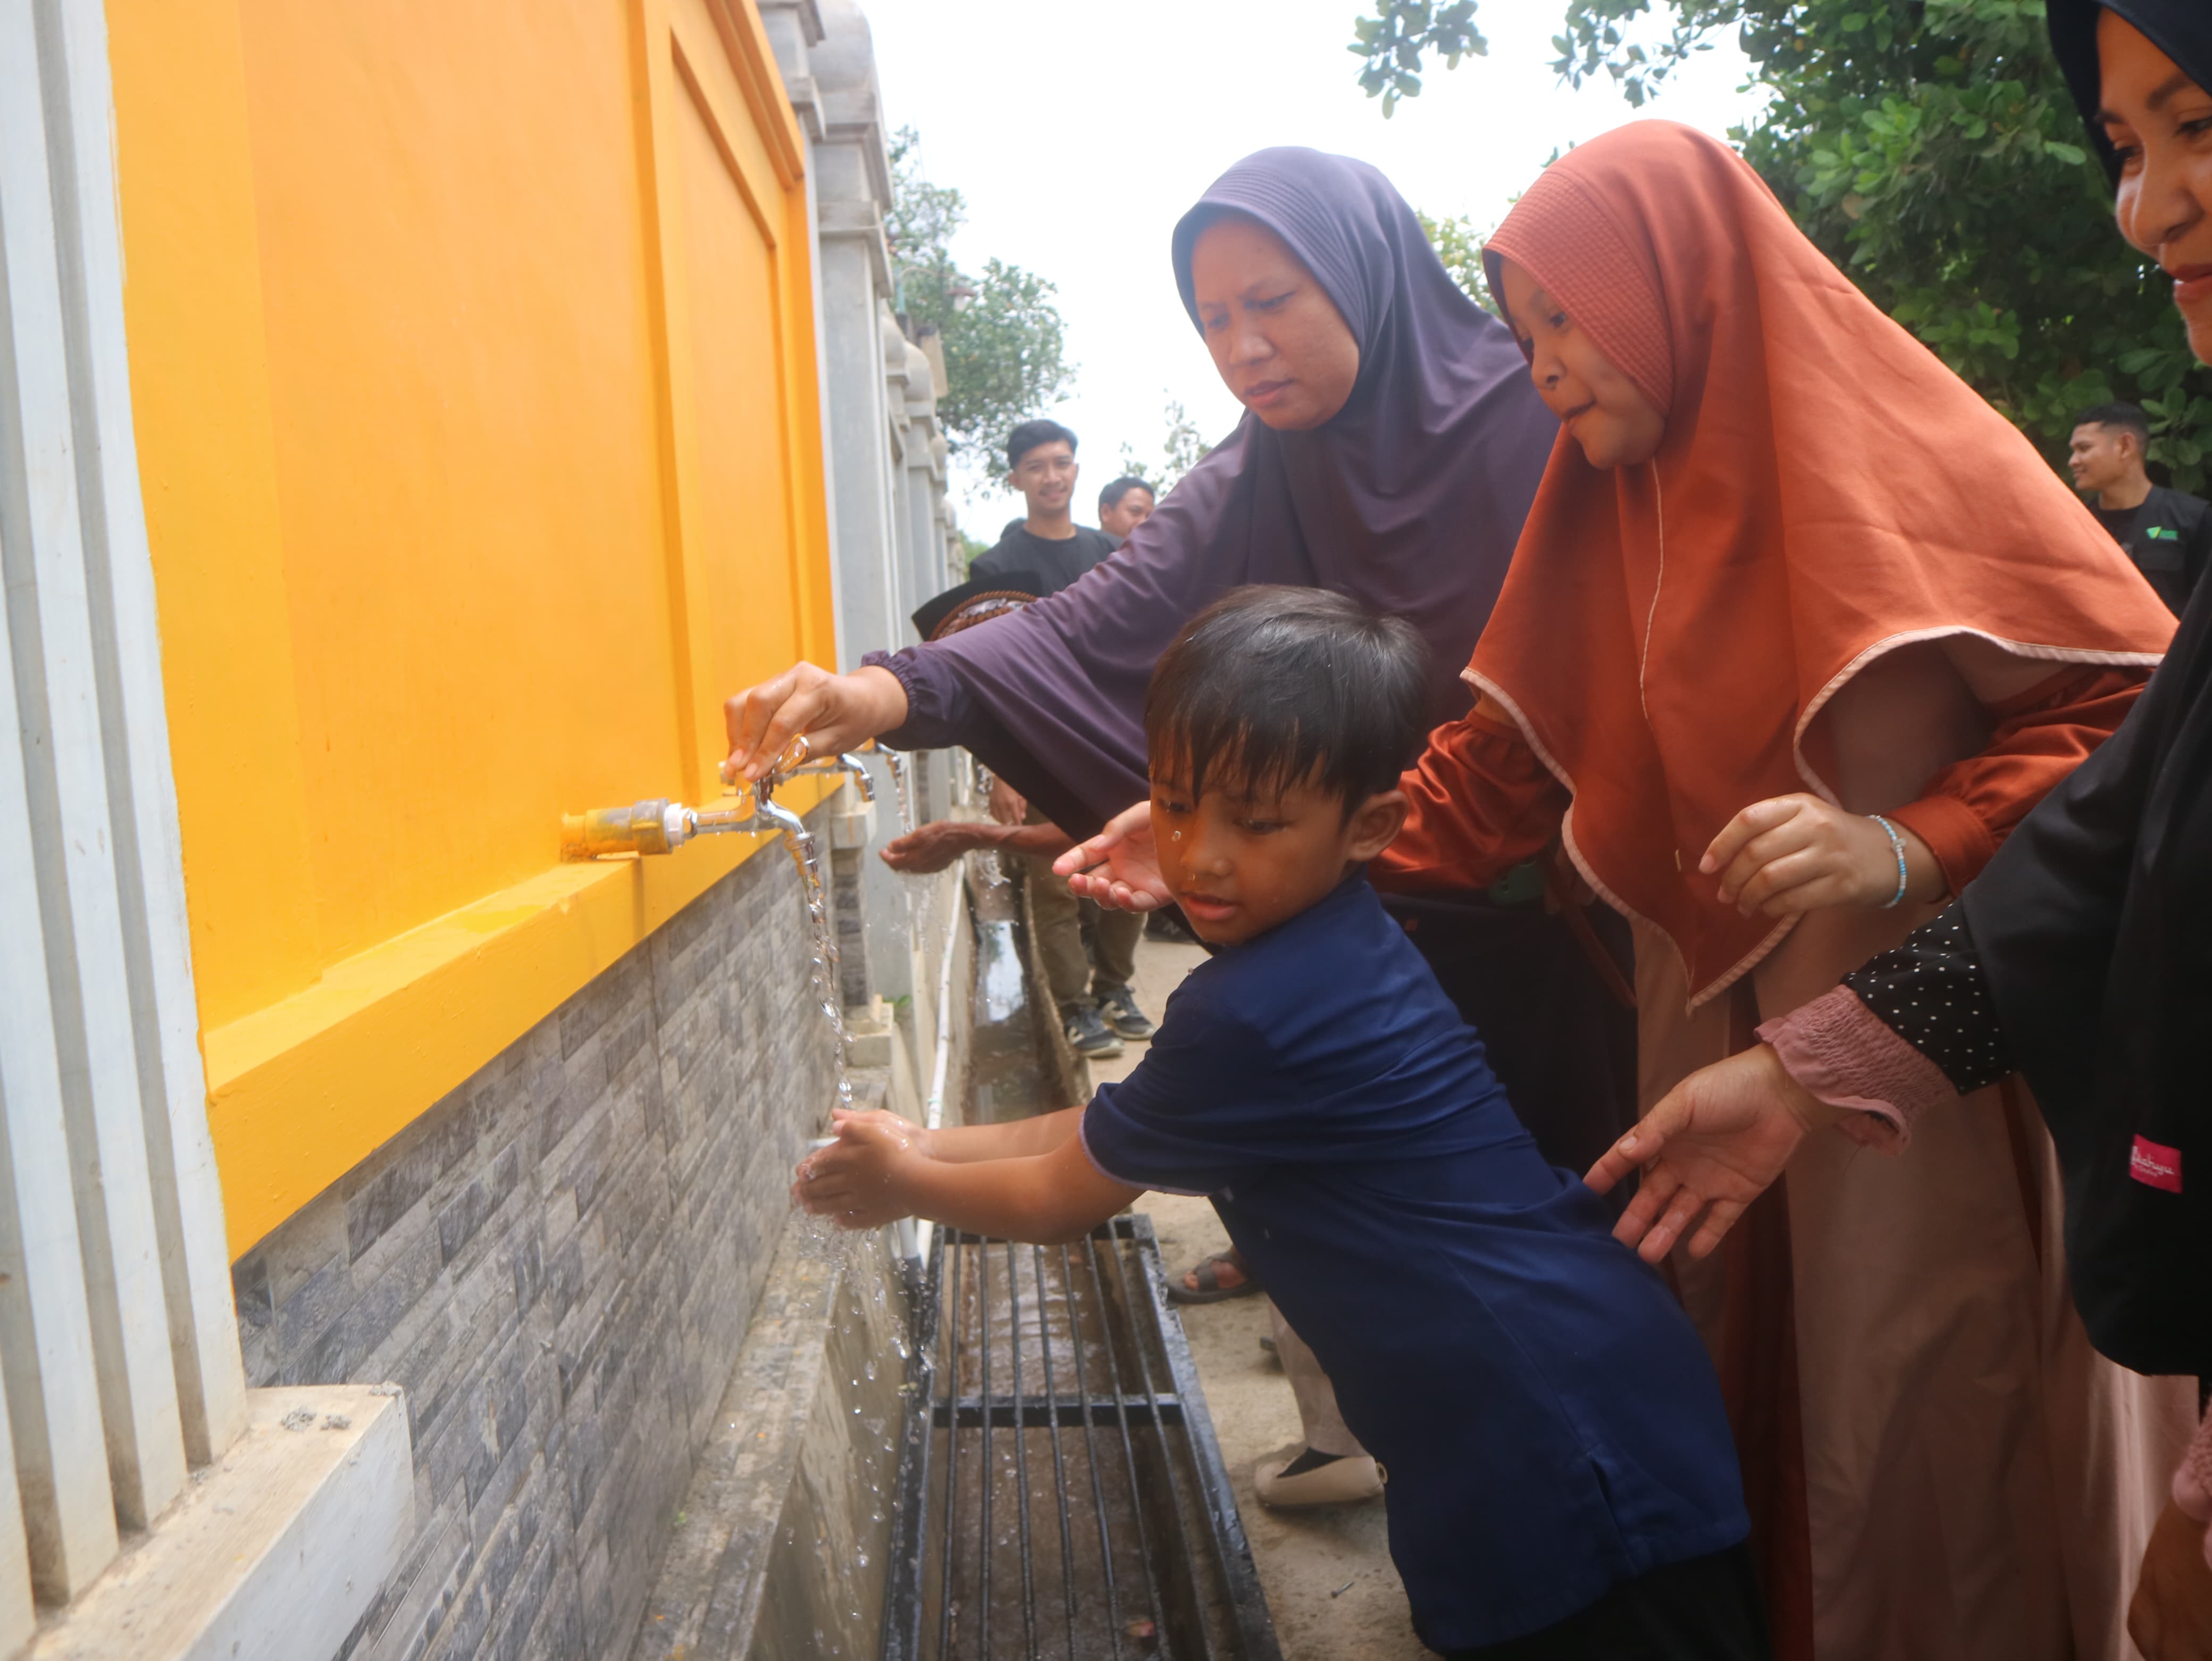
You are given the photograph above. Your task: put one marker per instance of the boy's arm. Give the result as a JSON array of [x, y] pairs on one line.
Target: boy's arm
[[881, 1168], [967, 1143]]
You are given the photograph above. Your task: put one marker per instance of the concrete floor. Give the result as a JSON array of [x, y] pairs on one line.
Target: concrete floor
[[1330, 1583]]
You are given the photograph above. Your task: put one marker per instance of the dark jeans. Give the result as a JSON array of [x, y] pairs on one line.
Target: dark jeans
[[1705, 1610], [1562, 1044]]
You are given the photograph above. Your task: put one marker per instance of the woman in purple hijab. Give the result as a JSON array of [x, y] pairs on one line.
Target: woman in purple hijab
[[1406, 495], [1391, 446]]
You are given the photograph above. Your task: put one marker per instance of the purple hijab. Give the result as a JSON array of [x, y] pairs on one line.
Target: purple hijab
[[1409, 500]]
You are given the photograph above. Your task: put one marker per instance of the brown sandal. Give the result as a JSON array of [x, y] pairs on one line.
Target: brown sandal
[[1209, 1289]]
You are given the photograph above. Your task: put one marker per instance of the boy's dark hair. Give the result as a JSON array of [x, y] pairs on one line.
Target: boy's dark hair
[[2129, 417], [1110, 497], [1276, 687], [1030, 434]]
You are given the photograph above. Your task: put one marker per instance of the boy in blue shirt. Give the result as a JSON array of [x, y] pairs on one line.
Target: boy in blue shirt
[[1561, 1480]]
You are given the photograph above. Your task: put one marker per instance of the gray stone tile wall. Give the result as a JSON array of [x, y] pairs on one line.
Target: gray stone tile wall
[[557, 1263]]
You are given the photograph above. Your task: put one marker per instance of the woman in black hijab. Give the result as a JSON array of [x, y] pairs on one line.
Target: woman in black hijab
[[2082, 956]]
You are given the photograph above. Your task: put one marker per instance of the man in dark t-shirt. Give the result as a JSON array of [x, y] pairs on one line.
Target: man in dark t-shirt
[[2167, 534], [1049, 544], [1089, 954], [1124, 505]]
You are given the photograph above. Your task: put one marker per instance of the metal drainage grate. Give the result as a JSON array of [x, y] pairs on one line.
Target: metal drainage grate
[[1062, 1496]]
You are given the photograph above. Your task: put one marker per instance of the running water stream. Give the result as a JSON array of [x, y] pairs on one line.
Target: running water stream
[[805, 856], [902, 787]]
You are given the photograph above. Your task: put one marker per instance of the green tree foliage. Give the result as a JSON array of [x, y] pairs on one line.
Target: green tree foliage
[[1182, 449], [1005, 356], [1458, 245], [1391, 43], [1930, 147]]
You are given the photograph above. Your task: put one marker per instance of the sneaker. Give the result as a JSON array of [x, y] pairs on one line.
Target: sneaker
[[1089, 1036], [1120, 1009]]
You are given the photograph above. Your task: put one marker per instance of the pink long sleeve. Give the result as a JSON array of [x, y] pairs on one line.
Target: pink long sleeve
[[1850, 1057]]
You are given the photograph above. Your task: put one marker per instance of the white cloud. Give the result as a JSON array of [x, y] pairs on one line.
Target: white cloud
[[1080, 131]]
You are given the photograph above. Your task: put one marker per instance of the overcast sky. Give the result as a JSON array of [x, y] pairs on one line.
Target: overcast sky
[[1079, 131]]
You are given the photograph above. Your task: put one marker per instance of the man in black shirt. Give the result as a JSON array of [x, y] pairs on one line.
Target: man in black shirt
[[1089, 978], [1123, 506], [1049, 544], [2166, 533]]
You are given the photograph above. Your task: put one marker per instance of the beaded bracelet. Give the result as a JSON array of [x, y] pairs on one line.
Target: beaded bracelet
[[1897, 846]]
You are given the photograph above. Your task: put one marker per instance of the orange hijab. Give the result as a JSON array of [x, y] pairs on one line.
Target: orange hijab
[[1827, 491]]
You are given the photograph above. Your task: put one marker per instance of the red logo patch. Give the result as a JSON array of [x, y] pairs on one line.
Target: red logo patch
[[2156, 1166]]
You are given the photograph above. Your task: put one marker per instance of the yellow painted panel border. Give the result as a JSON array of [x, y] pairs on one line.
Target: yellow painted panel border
[[301, 1091]]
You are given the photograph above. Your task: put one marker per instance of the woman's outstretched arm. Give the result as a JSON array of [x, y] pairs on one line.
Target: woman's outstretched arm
[[1908, 1031]]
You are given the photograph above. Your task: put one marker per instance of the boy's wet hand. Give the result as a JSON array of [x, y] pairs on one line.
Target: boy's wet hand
[[1120, 866], [856, 1179]]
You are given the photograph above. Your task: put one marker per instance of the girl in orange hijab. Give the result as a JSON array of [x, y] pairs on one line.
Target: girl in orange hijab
[[1798, 629]]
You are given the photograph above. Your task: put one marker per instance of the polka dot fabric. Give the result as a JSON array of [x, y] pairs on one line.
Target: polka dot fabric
[[1931, 991]]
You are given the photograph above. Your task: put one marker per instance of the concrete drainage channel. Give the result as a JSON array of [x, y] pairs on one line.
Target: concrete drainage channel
[[1061, 1494]]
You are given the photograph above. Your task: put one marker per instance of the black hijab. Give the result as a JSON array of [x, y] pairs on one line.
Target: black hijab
[[2094, 925], [2182, 29]]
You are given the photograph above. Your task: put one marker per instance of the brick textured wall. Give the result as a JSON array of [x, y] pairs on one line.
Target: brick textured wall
[[557, 1263]]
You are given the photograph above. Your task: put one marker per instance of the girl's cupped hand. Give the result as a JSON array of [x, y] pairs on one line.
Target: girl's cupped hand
[[1121, 866], [1790, 854], [860, 1179]]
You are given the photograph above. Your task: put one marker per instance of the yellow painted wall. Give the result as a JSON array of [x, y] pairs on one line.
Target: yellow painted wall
[[473, 366]]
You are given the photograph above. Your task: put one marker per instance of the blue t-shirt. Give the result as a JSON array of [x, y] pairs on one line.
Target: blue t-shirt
[[1547, 1418]]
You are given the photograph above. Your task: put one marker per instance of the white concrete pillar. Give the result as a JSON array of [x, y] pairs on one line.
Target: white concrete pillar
[[120, 1364]]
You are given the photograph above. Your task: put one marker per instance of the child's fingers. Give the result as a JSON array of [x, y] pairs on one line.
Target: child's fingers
[[1755, 820], [1796, 838], [1779, 876], [1133, 899], [1077, 861], [831, 1194]]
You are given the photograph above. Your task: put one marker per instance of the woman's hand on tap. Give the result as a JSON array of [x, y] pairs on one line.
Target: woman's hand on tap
[[831, 712], [1121, 866]]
